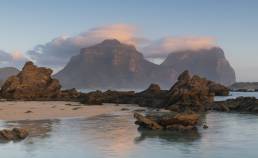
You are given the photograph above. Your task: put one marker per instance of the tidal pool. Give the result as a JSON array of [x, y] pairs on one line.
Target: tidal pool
[[116, 136]]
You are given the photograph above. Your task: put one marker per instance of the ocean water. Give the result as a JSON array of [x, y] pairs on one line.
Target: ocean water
[[234, 95], [116, 136]]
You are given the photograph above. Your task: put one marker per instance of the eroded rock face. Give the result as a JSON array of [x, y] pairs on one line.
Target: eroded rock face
[[32, 83], [193, 93], [15, 134]]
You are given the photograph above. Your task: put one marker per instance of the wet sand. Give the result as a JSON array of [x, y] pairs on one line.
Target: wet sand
[[38, 110]]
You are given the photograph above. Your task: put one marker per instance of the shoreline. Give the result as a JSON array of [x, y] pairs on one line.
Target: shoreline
[[44, 110]]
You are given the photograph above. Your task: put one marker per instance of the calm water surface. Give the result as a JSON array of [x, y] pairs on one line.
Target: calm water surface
[[116, 136]]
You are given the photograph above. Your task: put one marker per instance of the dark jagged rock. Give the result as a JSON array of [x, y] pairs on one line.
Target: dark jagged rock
[[15, 134], [240, 104], [167, 120], [188, 94], [70, 95], [98, 97], [218, 89], [192, 93], [32, 83]]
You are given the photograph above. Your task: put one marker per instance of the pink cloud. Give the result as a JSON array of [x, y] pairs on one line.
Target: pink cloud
[[161, 48]]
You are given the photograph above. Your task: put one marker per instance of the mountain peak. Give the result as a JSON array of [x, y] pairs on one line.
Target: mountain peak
[[113, 42]]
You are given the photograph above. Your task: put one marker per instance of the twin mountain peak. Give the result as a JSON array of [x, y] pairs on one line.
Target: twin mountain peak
[[112, 64]]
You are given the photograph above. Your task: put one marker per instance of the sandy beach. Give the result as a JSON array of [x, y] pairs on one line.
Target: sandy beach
[[38, 110]]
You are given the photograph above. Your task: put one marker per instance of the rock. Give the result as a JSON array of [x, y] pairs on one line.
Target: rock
[[190, 94], [32, 83], [167, 120], [70, 95], [218, 89], [15, 134], [125, 109], [205, 126], [240, 104], [146, 123], [98, 97]]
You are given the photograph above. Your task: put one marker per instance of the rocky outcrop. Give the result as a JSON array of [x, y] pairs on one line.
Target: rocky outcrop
[[210, 63], [70, 95], [240, 104], [167, 121], [98, 97], [32, 83], [192, 93], [15, 134]]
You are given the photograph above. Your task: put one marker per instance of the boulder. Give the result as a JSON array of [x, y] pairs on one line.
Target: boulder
[[193, 93], [98, 97], [32, 83], [168, 120], [218, 89], [15, 134], [146, 122], [70, 95]]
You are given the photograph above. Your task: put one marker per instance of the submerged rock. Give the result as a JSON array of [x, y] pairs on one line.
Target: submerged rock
[[32, 83], [15, 134]]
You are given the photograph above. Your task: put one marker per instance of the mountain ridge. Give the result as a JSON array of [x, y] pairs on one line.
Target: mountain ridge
[[115, 65]]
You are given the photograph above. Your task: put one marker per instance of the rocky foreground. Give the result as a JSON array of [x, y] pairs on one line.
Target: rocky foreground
[[189, 97], [240, 104], [15, 134]]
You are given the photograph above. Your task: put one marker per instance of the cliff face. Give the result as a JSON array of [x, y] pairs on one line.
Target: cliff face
[[209, 63], [109, 64], [114, 65]]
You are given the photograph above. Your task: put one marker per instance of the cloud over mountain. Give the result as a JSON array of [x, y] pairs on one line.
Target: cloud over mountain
[[161, 48], [57, 52]]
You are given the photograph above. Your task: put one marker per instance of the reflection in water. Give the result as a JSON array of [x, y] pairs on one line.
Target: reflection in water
[[169, 136], [116, 136]]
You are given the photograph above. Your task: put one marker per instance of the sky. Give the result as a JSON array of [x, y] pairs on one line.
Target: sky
[[51, 31]]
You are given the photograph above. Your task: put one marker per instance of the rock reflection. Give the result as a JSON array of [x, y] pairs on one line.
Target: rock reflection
[[36, 128], [168, 136]]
